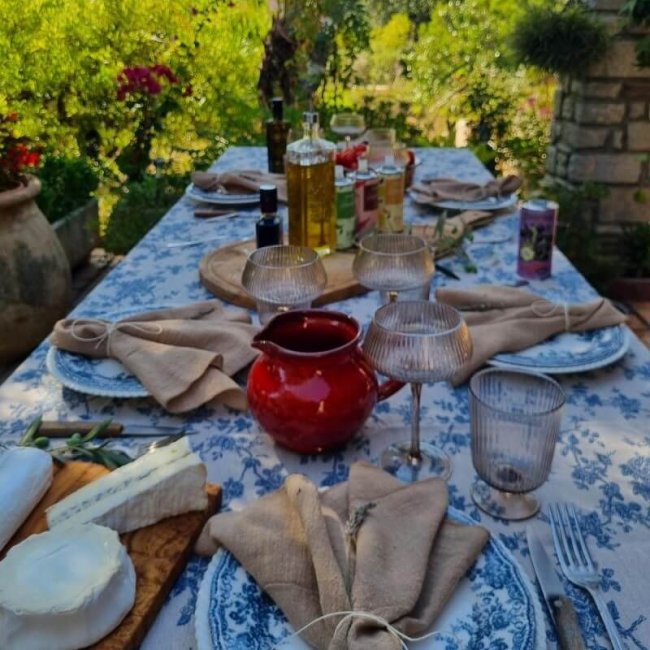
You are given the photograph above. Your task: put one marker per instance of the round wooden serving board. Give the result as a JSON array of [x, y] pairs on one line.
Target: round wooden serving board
[[220, 272]]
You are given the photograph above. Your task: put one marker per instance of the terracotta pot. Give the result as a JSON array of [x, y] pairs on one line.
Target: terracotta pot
[[34, 273], [312, 388]]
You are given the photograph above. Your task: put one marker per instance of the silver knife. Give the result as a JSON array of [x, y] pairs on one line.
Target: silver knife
[[560, 607], [55, 429]]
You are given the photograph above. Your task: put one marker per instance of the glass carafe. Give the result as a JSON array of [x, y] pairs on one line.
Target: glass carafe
[[310, 185]]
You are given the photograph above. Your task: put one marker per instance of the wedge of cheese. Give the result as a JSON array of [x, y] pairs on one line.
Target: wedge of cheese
[[25, 476], [160, 484], [64, 589]]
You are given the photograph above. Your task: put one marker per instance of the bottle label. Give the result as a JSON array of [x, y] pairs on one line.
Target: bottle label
[[367, 205], [391, 203], [345, 217]]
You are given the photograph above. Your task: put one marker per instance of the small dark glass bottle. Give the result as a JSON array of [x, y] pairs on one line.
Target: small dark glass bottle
[[277, 132], [268, 229]]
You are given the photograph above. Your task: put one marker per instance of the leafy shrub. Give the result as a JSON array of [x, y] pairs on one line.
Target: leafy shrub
[[140, 207], [635, 248], [566, 41], [576, 235], [67, 184]]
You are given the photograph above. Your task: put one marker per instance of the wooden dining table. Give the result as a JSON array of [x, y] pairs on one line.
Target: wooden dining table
[[601, 462]]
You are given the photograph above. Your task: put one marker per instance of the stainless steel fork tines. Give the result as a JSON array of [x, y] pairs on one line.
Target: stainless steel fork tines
[[577, 565]]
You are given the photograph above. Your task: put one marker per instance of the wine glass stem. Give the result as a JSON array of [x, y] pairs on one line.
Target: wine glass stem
[[416, 391]]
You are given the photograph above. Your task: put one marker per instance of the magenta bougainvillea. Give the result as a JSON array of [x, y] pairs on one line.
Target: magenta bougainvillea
[[144, 80]]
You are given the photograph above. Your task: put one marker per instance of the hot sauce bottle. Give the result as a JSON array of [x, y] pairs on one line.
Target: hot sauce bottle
[[277, 131]]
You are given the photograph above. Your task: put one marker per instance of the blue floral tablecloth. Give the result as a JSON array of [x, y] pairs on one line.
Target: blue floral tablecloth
[[601, 461]]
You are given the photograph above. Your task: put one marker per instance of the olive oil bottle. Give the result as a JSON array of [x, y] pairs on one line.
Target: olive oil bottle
[[310, 188]]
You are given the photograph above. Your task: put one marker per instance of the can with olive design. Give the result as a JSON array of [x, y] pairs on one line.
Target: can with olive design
[[537, 222]]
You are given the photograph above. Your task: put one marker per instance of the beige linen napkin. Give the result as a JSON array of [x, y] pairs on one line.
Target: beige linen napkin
[[505, 319], [402, 565], [184, 356], [441, 189], [237, 181]]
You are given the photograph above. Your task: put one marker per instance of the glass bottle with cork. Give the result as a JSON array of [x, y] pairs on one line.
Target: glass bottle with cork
[[268, 229], [310, 188], [277, 132]]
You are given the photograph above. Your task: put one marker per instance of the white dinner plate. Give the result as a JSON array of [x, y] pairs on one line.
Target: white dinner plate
[[221, 198], [494, 605], [570, 352], [491, 203]]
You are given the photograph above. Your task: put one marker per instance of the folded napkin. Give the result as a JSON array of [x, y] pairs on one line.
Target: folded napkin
[[240, 181], [372, 545], [505, 319], [441, 189], [184, 356]]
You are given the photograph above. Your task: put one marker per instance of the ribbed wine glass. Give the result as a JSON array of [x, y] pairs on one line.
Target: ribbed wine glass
[[396, 265], [514, 421], [417, 341], [282, 278]]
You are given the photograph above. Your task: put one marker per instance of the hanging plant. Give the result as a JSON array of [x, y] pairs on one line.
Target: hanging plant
[[564, 42], [638, 14]]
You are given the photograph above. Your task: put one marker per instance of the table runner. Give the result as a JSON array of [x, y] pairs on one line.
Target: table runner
[[600, 463]]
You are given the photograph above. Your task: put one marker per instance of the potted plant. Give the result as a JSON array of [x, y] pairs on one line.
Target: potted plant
[[565, 41], [635, 250], [35, 287], [67, 201]]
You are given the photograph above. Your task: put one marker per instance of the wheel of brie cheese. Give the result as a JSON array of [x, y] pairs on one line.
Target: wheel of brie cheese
[[64, 589]]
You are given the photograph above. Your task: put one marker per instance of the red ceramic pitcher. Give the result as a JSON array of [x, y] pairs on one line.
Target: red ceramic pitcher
[[312, 388]]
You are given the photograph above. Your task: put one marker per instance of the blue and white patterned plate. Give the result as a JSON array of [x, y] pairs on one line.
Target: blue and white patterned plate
[[494, 606], [220, 198], [570, 352], [102, 377]]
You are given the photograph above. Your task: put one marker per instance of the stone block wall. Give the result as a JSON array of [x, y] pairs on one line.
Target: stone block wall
[[601, 127]]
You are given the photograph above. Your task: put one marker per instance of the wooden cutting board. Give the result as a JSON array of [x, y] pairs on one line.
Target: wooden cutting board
[[220, 270], [159, 552]]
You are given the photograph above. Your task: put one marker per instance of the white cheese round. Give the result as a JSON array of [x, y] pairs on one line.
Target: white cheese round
[[64, 589]]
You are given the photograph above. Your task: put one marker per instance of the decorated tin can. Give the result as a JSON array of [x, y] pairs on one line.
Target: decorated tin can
[[537, 222], [345, 213], [366, 198], [391, 197]]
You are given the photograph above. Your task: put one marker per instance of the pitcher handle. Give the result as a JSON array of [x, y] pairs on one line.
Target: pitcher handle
[[388, 388]]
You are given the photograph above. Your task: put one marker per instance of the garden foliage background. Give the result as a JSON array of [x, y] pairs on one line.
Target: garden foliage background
[[122, 84]]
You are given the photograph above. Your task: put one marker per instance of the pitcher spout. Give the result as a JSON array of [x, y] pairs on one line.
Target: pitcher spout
[[266, 346]]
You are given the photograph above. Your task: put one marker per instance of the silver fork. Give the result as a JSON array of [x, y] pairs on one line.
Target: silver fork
[[577, 565]]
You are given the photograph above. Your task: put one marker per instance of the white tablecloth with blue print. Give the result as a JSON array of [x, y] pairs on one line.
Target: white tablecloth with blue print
[[601, 461]]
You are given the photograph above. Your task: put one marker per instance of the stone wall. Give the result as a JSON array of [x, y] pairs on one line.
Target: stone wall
[[601, 127]]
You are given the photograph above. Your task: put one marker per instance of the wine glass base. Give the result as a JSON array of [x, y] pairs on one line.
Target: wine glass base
[[504, 505], [431, 462]]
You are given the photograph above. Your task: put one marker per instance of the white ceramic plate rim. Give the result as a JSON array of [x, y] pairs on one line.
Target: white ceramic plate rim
[[202, 609], [564, 370]]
